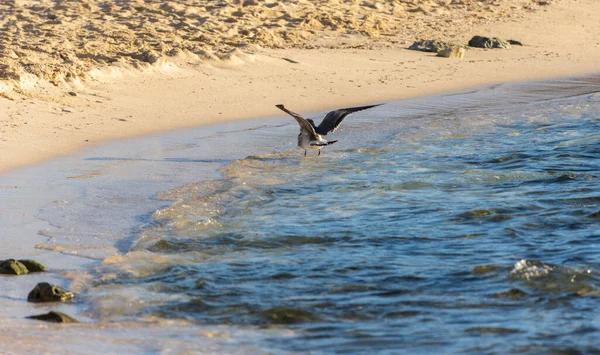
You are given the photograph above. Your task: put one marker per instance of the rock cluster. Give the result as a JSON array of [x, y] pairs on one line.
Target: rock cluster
[[430, 45], [451, 50], [43, 291]]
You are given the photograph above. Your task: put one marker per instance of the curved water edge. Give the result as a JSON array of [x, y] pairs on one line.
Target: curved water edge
[[470, 214]]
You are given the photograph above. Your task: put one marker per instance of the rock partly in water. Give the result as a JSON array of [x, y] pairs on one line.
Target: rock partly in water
[[32, 265], [13, 267], [530, 269], [45, 292], [430, 45], [487, 42], [454, 52], [54, 317]]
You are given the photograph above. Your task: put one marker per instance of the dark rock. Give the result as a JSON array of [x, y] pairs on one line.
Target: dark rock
[[484, 269], [513, 293], [284, 315], [566, 177], [474, 214], [514, 43], [493, 330], [487, 42], [32, 265], [430, 46], [54, 317], [13, 267], [595, 215], [45, 292]]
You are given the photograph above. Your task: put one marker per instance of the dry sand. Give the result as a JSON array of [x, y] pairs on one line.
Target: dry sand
[[79, 73]]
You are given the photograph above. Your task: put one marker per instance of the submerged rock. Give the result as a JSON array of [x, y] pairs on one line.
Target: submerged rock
[[484, 269], [493, 330], [285, 315], [13, 267], [454, 52], [430, 45], [487, 42], [513, 293], [587, 291], [473, 214], [54, 317], [45, 292], [595, 215]]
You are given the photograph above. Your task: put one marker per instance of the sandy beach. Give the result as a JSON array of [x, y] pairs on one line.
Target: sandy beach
[[75, 75], [81, 73]]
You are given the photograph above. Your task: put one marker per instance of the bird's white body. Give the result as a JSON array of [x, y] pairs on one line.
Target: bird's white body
[[307, 142]]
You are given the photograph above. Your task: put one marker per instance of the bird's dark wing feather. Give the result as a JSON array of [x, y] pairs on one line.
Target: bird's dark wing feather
[[305, 126], [334, 118]]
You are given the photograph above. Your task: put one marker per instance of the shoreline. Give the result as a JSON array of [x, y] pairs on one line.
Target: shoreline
[[560, 42], [76, 199]]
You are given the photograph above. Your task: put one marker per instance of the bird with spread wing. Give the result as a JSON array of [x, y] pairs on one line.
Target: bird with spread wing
[[311, 136]]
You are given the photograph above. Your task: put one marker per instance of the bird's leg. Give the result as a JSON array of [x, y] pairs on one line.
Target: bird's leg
[[319, 152], [304, 152]]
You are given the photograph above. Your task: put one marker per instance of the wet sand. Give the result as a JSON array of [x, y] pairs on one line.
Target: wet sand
[[88, 207], [77, 74]]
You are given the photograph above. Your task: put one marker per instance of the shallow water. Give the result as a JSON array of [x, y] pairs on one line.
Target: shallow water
[[469, 230]]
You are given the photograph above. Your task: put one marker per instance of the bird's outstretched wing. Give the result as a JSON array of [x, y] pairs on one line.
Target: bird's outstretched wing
[[334, 118], [305, 126]]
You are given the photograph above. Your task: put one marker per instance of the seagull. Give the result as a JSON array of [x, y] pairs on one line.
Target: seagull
[[311, 136]]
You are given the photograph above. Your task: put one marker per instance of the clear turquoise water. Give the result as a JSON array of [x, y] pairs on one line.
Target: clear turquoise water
[[474, 231]]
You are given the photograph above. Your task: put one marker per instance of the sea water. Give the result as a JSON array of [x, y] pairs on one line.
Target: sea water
[[458, 224]]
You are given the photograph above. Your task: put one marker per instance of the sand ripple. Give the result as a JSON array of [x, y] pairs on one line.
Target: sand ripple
[[58, 40]]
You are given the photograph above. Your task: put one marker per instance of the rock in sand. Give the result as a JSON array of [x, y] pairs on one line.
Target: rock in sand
[[487, 42], [430, 45], [454, 52]]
